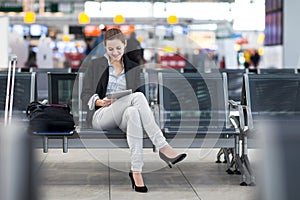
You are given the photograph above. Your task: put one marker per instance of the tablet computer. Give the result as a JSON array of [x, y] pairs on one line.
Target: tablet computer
[[118, 94]]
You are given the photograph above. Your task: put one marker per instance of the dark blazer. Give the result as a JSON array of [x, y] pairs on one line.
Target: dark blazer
[[96, 79]]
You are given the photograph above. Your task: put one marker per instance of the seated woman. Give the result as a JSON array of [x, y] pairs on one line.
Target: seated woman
[[131, 113]]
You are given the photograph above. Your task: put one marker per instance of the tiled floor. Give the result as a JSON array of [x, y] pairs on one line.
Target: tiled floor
[[85, 175]]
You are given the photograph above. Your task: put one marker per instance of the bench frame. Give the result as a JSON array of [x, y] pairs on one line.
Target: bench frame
[[111, 139]]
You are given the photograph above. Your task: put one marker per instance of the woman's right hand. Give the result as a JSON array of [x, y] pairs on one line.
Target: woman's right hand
[[104, 102]]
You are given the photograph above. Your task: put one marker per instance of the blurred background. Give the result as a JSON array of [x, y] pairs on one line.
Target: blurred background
[[230, 34], [235, 34]]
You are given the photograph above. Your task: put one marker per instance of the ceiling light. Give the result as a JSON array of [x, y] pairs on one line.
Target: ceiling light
[[172, 19], [119, 19], [83, 18], [29, 17]]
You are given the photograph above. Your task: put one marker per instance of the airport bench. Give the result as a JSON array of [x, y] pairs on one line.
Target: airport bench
[[24, 93], [201, 121], [65, 88], [268, 98], [62, 95], [60, 88], [195, 113], [235, 82], [42, 79], [193, 104], [277, 71]]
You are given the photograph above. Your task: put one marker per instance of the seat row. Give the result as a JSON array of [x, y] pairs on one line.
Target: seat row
[[192, 109]]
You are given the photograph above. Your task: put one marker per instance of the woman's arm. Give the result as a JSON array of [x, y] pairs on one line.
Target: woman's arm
[[88, 87], [133, 75], [92, 88]]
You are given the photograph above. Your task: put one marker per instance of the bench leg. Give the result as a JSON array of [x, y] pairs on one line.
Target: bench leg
[[246, 160], [226, 157], [239, 162], [65, 144], [221, 151], [45, 144], [231, 163]]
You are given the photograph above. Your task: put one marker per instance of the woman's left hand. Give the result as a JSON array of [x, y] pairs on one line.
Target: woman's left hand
[[108, 102]]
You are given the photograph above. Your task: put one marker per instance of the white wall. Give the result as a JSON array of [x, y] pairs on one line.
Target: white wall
[[291, 34], [226, 48], [272, 57], [4, 24]]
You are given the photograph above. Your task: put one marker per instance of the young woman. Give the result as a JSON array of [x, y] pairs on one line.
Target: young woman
[[131, 113]]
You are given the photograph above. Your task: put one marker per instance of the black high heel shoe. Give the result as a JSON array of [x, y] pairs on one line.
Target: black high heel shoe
[[172, 161], [142, 189]]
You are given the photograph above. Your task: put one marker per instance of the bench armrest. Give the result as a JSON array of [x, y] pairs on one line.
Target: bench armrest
[[233, 103], [244, 119]]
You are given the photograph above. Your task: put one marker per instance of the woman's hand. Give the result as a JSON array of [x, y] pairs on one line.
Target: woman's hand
[[104, 102]]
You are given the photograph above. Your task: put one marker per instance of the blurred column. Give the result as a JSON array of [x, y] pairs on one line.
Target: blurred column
[[17, 170], [4, 23], [279, 170], [42, 7], [27, 5]]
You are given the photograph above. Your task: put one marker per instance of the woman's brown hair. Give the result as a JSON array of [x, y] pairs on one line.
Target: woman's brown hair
[[114, 33]]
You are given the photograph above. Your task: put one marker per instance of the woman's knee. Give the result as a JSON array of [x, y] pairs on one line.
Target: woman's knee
[[139, 96], [132, 112]]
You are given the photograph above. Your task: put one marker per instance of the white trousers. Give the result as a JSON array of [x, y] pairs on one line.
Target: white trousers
[[131, 114]]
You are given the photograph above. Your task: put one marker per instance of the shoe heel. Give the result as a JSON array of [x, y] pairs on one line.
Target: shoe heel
[[164, 158], [172, 161], [142, 189], [132, 180], [169, 164]]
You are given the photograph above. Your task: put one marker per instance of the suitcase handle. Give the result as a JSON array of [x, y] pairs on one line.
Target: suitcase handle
[[10, 89]]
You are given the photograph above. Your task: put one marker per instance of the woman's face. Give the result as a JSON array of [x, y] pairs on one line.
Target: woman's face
[[115, 49]]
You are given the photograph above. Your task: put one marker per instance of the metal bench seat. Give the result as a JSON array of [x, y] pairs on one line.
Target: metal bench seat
[[269, 98], [194, 103], [24, 93]]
